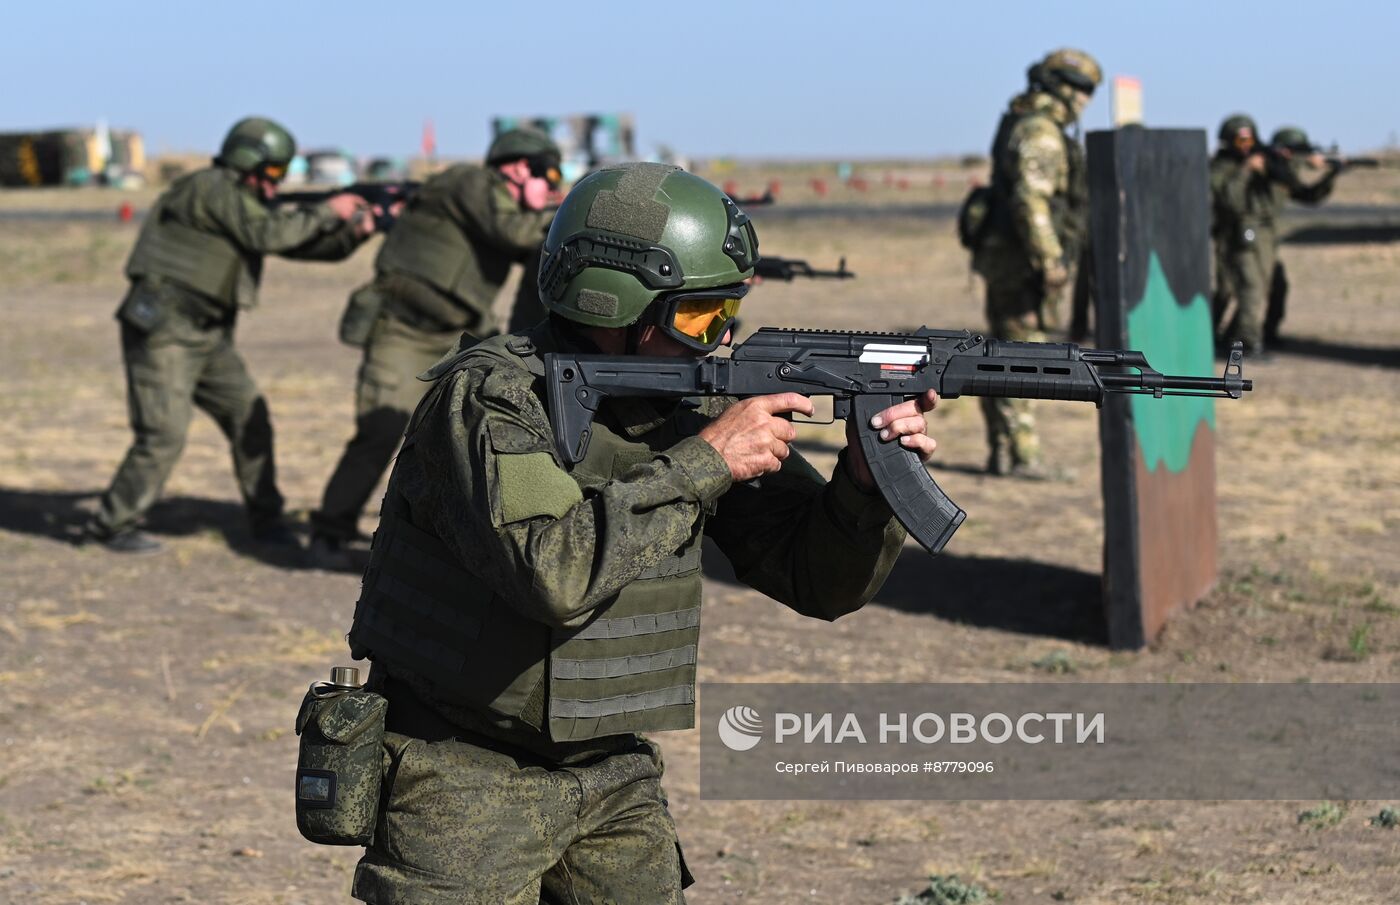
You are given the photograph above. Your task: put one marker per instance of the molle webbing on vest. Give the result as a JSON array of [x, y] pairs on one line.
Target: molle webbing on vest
[[631, 626], [404, 611], [430, 248], [631, 208], [616, 667], [564, 708], [204, 262]]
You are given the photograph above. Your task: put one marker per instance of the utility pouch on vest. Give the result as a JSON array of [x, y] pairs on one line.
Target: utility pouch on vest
[[143, 309], [361, 311], [975, 216], [340, 765]]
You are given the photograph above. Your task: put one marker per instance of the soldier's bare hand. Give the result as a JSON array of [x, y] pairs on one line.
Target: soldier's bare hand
[[535, 193], [752, 438], [364, 221], [345, 205], [1256, 162], [903, 424], [1056, 276]]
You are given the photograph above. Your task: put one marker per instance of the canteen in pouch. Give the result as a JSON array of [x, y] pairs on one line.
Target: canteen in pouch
[[340, 764], [361, 313]]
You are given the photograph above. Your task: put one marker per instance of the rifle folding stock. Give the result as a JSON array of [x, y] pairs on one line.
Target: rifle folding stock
[[865, 373]]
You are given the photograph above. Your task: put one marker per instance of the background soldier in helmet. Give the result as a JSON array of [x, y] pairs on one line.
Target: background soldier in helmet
[[1293, 153], [1249, 185], [1036, 222], [436, 276], [197, 262], [526, 621]]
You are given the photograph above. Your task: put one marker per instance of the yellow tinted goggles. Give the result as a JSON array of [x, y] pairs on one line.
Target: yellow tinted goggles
[[275, 172], [700, 319]]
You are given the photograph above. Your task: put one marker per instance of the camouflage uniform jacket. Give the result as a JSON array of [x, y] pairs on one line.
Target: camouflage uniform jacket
[[208, 233], [451, 251], [559, 549], [1243, 199], [1039, 182]]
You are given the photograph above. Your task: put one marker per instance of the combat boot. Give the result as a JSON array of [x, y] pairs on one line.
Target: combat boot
[[275, 533], [999, 460], [328, 554], [128, 541]]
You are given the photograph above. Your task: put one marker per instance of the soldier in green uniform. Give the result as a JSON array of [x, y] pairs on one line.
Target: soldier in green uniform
[[1036, 222], [197, 263], [1249, 186], [436, 276], [526, 622]]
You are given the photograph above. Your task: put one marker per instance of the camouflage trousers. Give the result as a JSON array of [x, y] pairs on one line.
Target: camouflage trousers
[[468, 825], [170, 371], [387, 392], [1243, 275], [1016, 304]]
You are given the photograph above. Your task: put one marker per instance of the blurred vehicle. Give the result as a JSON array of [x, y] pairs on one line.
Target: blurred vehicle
[[79, 156]]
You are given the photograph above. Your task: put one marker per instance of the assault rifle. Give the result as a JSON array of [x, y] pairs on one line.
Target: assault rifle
[[771, 268], [1354, 163], [866, 373], [381, 195]]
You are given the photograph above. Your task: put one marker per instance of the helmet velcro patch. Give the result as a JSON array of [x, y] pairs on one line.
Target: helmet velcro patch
[[603, 304], [631, 208]]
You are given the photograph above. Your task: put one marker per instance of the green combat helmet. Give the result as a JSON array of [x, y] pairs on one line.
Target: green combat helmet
[[513, 144], [1234, 123], [1292, 138], [537, 148], [646, 243], [1066, 70], [256, 143]]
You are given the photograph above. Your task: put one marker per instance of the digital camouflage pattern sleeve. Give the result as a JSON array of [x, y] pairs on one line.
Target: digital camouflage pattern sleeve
[[487, 480], [821, 547], [1040, 171], [495, 493]]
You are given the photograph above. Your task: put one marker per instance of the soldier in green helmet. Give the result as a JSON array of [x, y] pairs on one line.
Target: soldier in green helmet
[[527, 622], [1035, 226], [198, 262], [1249, 185], [436, 276]]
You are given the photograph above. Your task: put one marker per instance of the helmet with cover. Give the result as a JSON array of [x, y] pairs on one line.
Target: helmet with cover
[[260, 145], [1293, 139], [530, 144], [1232, 125], [1066, 71], [646, 243]]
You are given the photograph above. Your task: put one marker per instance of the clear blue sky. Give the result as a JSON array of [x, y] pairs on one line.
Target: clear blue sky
[[709, 77]]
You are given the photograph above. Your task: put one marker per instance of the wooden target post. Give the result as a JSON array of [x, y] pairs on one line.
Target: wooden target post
[[1150, 229]]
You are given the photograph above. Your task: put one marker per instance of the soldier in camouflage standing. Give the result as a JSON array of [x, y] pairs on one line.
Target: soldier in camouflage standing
[[436, 276], [1249, 185], [1037, 217], [526, 621], [197, 262]]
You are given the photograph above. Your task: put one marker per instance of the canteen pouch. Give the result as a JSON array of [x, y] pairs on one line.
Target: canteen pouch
[[975, 217], [361, 311], [144, 308], [340, 764]]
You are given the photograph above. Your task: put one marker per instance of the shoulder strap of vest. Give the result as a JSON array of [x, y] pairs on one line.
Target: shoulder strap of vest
[[520, 350]]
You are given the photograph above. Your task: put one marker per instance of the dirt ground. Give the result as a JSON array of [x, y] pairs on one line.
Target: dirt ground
[[146, 704]]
